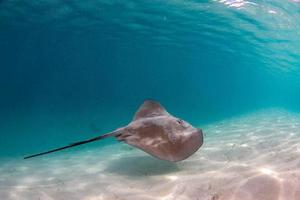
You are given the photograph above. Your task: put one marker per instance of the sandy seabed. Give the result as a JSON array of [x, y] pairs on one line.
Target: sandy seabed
[[252, 157]]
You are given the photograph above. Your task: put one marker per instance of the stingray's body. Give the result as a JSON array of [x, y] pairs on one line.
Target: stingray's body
[[156, 132]]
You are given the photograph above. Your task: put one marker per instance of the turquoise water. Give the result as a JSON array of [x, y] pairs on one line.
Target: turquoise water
[[72, 70]]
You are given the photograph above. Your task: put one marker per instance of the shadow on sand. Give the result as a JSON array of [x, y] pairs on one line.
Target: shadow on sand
[[141, 166]]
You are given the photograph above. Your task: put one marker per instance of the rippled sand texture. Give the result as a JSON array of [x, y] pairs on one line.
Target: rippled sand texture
[[254, 157]]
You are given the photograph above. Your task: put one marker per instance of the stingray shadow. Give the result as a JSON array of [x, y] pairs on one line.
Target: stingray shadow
[[141, 166]]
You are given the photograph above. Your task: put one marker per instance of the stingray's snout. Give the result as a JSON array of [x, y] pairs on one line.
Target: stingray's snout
[[200, 132]]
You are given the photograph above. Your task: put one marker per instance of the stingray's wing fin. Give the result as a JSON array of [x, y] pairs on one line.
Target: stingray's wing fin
[[150, 108], [73, 144]]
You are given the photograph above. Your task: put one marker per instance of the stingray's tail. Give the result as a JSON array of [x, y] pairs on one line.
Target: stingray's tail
[[75, 144]]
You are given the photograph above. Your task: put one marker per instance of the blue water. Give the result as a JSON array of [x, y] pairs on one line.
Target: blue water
[[71, 70]]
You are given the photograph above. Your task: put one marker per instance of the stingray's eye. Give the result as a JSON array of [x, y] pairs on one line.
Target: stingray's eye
[[179, 121]]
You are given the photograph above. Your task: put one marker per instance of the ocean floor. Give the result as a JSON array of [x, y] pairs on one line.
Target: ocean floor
[[252, 157]]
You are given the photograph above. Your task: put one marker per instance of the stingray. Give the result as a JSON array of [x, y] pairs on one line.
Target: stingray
[[154, 131]]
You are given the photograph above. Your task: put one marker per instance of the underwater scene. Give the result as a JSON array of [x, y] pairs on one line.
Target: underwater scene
[[149, 100]]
